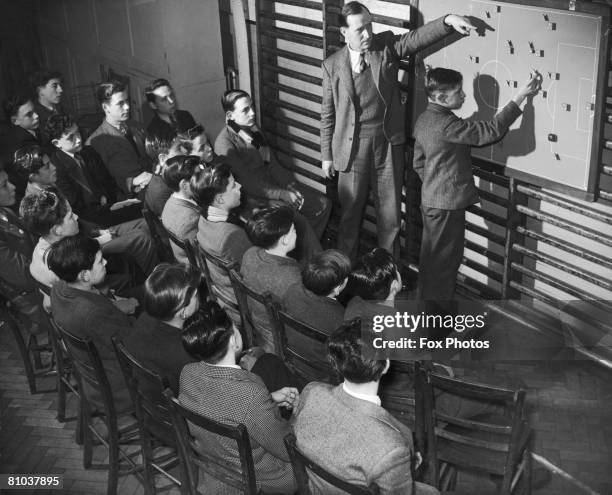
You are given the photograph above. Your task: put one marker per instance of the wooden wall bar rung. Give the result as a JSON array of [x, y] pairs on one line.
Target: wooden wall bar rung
[[568, 289], [497, 239], [290, 19], [565, 267], [300, 3], [478, 248], [565, 246], [565, 203], [297, 57], [480, 268], [295, 92], [293, 36], [493, 198], [298, 140], [572, 227], [296, 154], [470, 287], [271, 114], [294, 108], [607, 195], [490, 176], [292, 73], [294, 168], [487, 215], [606, 169]]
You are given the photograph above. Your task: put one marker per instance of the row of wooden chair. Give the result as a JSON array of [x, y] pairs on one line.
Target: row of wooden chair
[[497, 445]]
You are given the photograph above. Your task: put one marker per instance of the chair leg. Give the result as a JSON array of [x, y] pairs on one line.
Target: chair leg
[[61, 398], [87, 436], [113, 462], [527, 459], [147, 459], [80, 427], [23, 350]]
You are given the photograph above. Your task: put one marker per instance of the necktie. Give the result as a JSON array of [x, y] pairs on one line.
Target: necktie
[[125, 130], [362, 62], [84, 178]]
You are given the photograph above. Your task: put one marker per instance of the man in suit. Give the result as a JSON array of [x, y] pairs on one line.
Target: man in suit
[[82, 176], [121, 142], [23, 130], [362, 120], [345, 429], [16, 247], [217, 388], [168, 120]]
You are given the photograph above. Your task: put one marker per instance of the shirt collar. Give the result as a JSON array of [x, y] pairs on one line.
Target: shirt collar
[[216, 214], [235, 366], [354, 56], [374, 399], [176, 195]]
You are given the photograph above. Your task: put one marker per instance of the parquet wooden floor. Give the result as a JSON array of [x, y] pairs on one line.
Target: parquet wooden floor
[[570, 409]]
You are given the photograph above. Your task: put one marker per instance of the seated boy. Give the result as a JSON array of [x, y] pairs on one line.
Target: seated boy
[[160, 150], [83, 178], [181, 213], [313, 300], [442, 159], [33, 166], [266, 267], [79, 308]]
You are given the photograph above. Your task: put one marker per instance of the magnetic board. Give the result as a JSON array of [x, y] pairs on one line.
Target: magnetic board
[[557, 139]]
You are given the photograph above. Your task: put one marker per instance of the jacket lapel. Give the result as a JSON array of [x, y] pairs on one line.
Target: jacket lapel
[[344, 73]]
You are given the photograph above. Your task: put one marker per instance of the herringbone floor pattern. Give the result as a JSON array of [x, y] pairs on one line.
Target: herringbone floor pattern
[[570, 408]]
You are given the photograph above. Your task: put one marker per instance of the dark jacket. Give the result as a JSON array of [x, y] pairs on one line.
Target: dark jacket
[[122, 159], [16, 248], [161, 128], [88, 314], [159, 347]]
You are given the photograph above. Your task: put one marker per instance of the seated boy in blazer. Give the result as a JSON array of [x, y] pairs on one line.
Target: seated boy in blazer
[[442, 159]]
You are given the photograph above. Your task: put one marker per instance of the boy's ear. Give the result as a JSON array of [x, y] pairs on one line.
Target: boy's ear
[[441, 97], [84, 276], [162, 157], [152, 105], [54, 142]]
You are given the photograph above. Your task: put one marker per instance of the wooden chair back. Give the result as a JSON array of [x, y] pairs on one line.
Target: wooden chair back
[[193, 457], [158, 233], [295, 337], [302, 465], [488, 443]]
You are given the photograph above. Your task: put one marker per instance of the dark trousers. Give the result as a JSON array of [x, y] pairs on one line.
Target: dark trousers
[[134, 239], [378, 166], [441, 253]]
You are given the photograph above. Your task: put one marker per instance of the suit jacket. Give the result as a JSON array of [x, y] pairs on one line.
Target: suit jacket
[[234, 396], [442, 153], [88, 314], [14, 138], [159, 347], [338, 131], [161, 128], [120, 157], [16, 247], [321, 312], [266, 272], [355, 439], [258, 178], [228, 242], [181, 218], [84, 189]]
